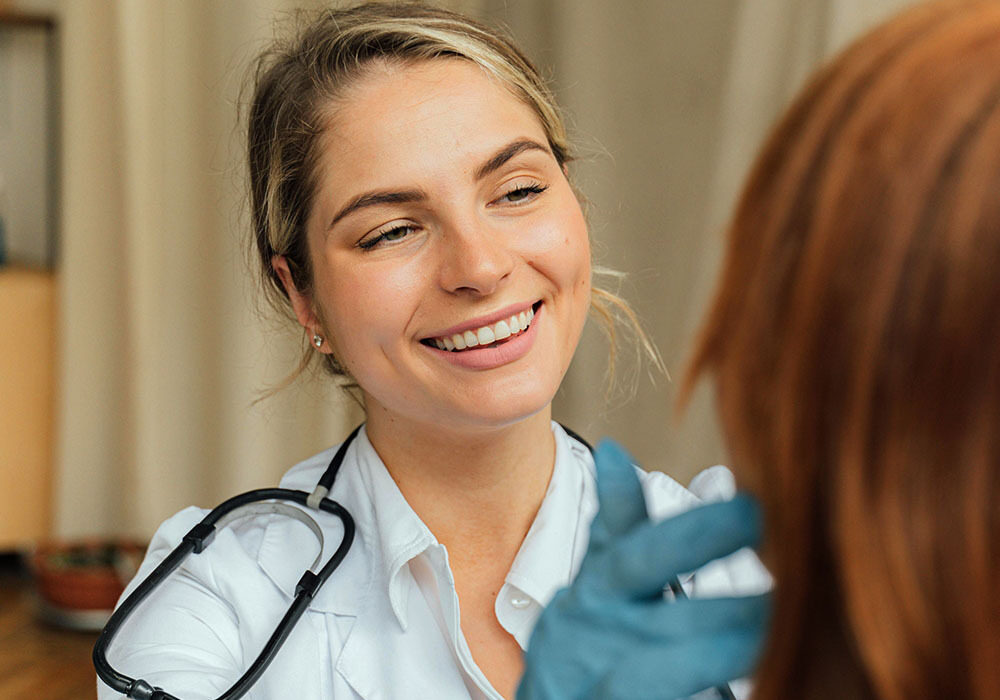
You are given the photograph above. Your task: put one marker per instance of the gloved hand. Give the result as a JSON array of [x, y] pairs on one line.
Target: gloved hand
[[612, 635]]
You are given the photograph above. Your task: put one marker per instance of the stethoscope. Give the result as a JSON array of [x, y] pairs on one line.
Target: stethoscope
[[259, 502]]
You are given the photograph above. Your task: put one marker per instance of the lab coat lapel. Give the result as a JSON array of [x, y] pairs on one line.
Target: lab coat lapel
[[387, 662]]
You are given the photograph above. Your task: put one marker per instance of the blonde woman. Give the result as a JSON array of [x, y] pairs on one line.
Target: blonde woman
[[411, 207]]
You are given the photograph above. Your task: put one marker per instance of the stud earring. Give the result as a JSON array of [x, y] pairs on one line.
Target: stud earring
[[318, 340]]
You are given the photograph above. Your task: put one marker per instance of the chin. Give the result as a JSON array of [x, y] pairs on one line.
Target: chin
[[502, 411]]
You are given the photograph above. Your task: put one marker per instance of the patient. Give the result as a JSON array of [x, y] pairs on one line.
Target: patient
[[855, 345]]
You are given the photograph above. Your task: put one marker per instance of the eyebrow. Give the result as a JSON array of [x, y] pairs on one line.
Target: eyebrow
[[371, 199], [505, 154]]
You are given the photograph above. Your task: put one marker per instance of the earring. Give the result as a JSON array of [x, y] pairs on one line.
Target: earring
[[317, 340]]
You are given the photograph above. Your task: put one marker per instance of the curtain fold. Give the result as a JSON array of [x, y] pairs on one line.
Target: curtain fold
[[162, 347]]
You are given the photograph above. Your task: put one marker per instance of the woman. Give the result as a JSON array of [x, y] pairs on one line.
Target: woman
[[855, 345], [411, 206]]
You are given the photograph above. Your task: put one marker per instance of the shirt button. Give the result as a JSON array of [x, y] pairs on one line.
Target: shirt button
[[520, 601]]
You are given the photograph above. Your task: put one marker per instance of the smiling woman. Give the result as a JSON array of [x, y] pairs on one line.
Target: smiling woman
[[437, 191], [412, 207]]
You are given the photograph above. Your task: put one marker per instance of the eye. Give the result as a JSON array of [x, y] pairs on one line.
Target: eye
[[387, 236], [522, 193]]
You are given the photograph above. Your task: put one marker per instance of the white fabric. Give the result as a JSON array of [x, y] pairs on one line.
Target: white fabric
[[386, 624]]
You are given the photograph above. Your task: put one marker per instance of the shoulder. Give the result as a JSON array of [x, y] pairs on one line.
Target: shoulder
[[232, 552], [740, 573], [235, 550], [665, 497], [303, 476], [172, 530]]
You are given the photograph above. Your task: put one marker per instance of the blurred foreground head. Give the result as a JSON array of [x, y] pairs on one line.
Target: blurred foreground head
[[854, 341]]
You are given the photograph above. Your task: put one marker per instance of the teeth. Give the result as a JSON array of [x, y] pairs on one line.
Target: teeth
[[486, 335], [501, 330]]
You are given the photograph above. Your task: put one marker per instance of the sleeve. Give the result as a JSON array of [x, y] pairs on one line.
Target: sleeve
[[184, 638]]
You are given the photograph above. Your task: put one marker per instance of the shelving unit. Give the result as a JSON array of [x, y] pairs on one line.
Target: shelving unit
[[27, 404], [29, 147]]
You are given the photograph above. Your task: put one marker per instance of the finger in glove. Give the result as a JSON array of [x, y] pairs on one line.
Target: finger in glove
[[670, 671], [643, 561], [622, 503]]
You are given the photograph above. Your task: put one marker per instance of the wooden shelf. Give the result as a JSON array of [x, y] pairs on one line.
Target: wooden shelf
[[26, 19], [27, 403]]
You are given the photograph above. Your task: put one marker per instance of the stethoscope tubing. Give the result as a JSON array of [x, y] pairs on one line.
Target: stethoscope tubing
[[202, 534], [194, 542]]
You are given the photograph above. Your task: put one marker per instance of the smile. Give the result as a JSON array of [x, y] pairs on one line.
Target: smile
[[485, 336]]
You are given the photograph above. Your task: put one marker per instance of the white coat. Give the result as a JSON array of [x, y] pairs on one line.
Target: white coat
[[386, 625]]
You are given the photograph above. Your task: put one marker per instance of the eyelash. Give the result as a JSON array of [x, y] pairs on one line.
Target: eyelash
[[382, 236], [533, 189]]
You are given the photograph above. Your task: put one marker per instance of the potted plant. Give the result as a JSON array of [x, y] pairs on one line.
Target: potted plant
[[78, 583]]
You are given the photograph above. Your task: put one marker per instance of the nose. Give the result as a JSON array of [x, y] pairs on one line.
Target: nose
[[475, 258]]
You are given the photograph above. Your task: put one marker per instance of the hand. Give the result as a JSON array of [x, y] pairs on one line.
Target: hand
[[612, 635]]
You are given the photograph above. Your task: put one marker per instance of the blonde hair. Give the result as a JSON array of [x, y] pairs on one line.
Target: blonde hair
[[294, 84]]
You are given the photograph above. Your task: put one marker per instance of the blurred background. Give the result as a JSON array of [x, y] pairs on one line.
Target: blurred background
[[132, 344]]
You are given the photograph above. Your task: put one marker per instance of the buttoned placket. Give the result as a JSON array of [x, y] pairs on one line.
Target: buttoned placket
[[543, 564]]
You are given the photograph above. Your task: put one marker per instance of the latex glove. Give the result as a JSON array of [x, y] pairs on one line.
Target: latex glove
[[612, 635]]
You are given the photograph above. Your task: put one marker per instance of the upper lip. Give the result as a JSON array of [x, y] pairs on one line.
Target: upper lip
[[487, 320]]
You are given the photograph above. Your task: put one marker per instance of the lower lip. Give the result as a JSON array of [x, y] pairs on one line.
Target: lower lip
[[490, 358]]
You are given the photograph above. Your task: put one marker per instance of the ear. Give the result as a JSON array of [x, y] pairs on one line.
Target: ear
[[301, 303]]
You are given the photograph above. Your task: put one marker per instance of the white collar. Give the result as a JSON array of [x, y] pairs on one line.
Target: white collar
[[545, 563], [389, 534]]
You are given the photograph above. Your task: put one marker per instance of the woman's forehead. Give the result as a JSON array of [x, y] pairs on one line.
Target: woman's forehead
[[436, 112]]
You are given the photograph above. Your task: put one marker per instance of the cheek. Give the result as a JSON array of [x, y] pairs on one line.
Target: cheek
[[572, 255], [561, 251], [576, 256], [365, 306], [564, 245]]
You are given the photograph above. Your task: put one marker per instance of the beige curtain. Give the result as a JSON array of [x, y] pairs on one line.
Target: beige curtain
[[162, 348]]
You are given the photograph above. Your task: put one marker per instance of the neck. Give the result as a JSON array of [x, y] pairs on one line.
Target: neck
[[477, 490]]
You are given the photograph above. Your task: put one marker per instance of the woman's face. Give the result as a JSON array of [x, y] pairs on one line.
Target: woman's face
[[441, 215]]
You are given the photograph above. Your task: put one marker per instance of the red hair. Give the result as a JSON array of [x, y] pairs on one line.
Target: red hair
[[855, 344]]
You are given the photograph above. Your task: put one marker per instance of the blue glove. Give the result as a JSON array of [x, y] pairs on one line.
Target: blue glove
[[612, 635]]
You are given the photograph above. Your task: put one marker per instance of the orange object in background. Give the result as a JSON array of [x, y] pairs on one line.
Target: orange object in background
[[27, 404]]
